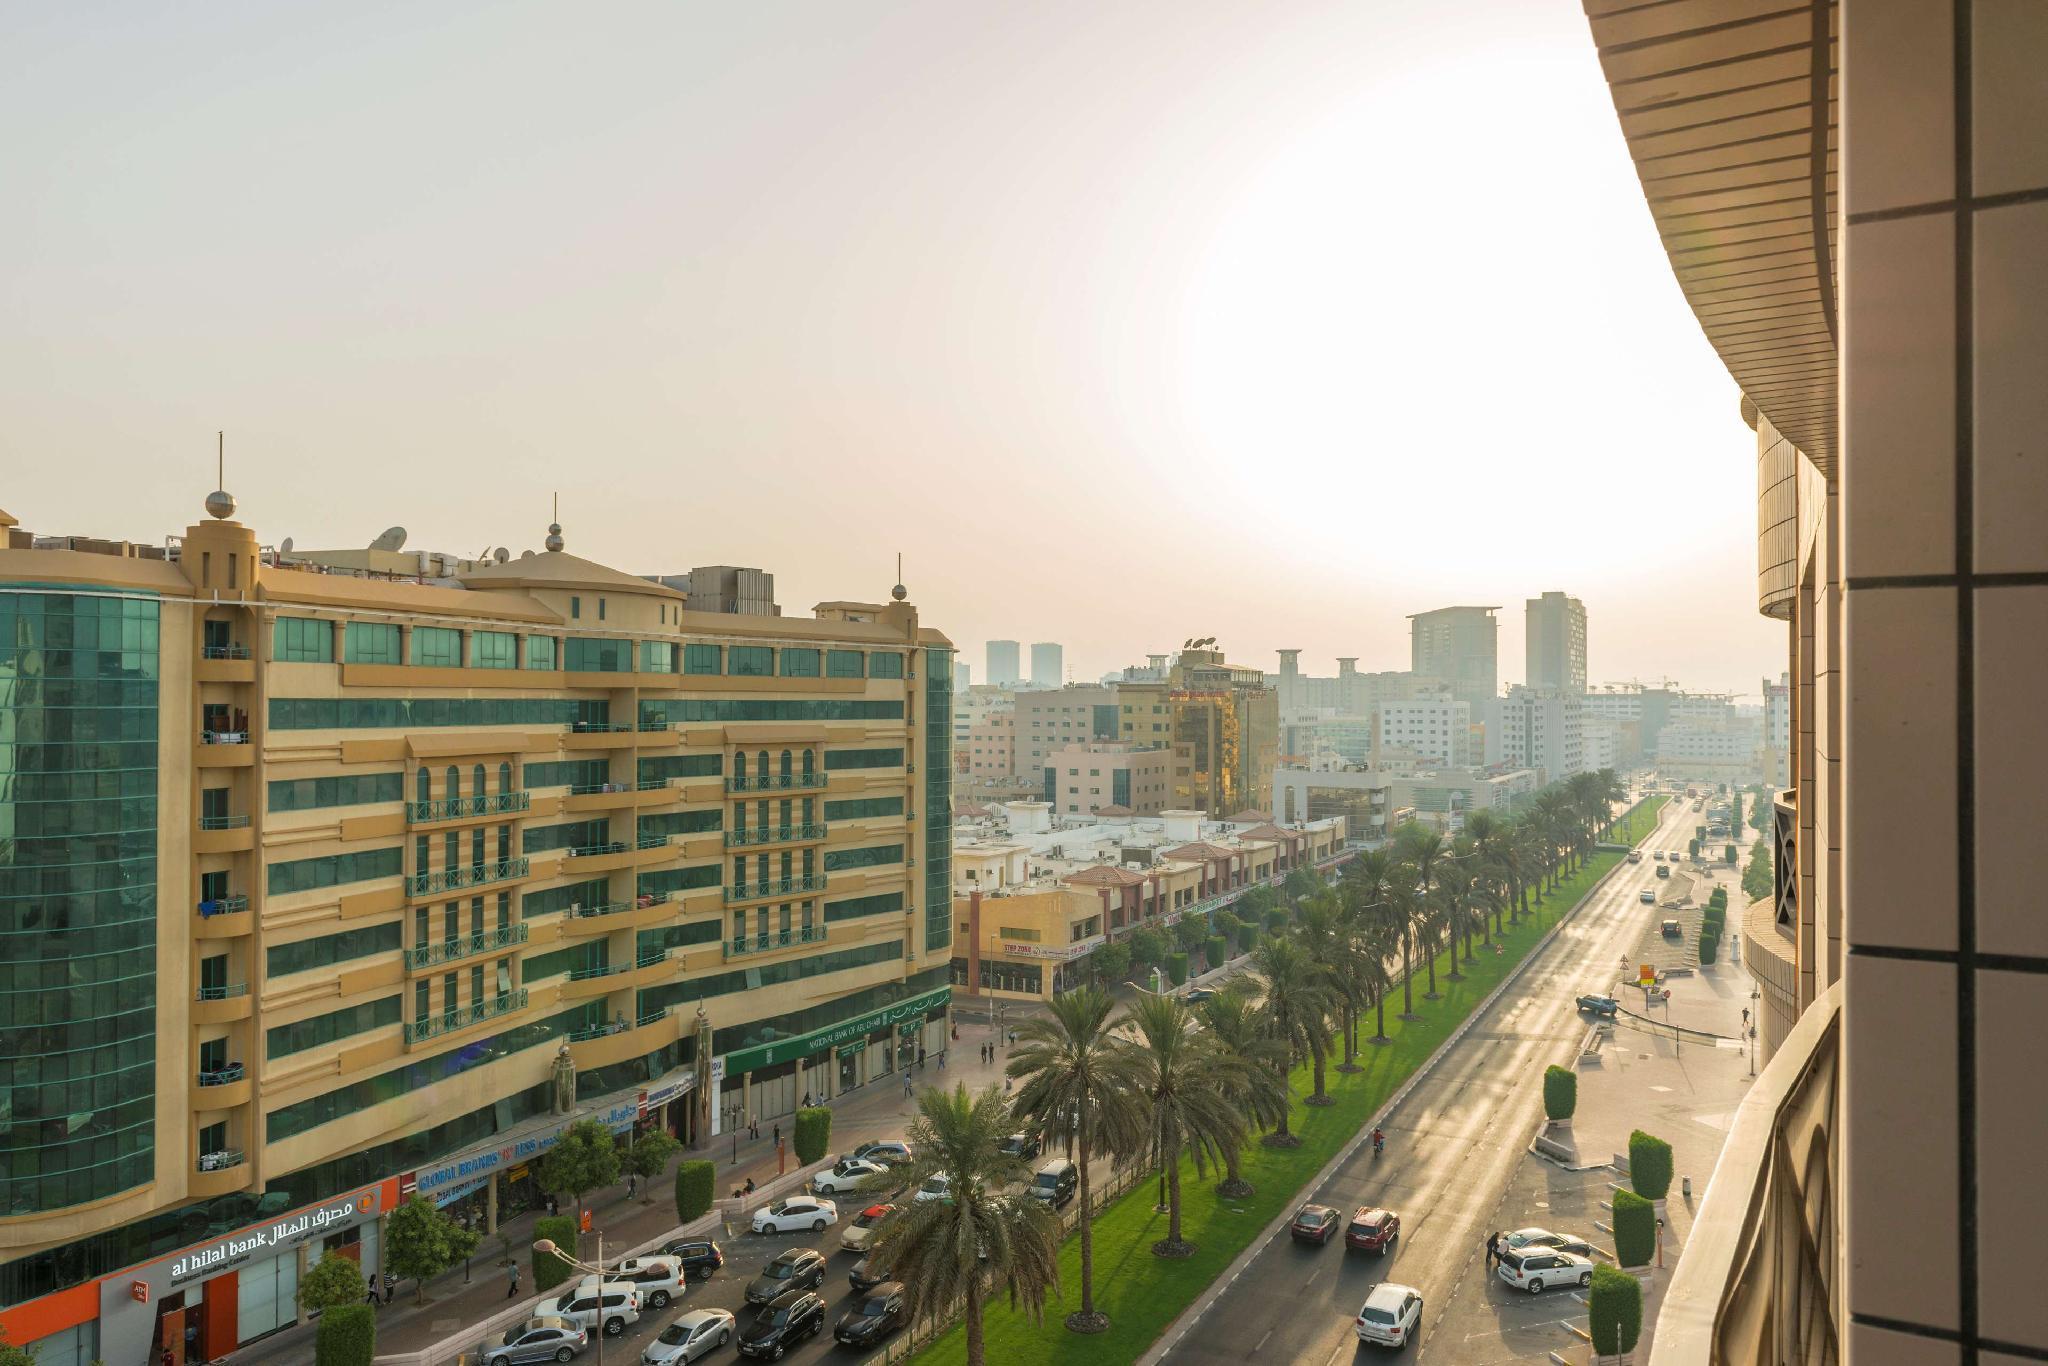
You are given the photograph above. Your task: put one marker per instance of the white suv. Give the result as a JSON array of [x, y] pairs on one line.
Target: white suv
[[580, 1306], [1533, 1268], [1391, 1315], [659, 1279]]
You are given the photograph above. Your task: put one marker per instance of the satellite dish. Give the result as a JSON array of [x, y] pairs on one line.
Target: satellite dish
[[284, 547], [394, 539], [501, 554], [526, 554]]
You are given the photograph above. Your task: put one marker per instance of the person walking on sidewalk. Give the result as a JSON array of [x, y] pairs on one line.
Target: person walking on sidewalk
[[906, 1085], [778, 1136], [1492, 1249], [512, 1279]]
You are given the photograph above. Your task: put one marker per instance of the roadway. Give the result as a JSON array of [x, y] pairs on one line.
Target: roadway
[[1452, 1147]]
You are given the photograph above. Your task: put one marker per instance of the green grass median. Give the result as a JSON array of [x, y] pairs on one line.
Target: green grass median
[[1141, 1293], [1640, 820]]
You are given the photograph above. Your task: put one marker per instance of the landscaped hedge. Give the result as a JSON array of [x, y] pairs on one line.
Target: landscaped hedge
[[1216, 951], [1177, 967], [347, 1336], [1560, 1092], [1649, 1165], [1276, 921], [696, 1188], [549, 1270], [1635, 1229], [813, 1133], [1247, 937], [1616, 1308], [1710, 948]]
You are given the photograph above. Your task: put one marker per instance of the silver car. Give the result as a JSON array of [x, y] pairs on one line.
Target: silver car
[[548, 1337], [693, 1335]]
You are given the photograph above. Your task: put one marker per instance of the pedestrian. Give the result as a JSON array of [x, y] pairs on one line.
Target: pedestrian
[[632, 1182], [942, 1061], [371, 1297], [512, 1277], [753, 1126], [778, 1135], [390, 1287], [1492, 1249], [1006, 1086], [906, 1086]]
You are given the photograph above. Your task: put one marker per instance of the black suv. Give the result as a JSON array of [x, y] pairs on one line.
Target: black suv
[[783, 1322], [800, 1268], [880, 1313], [866, 1274], [700, 1256], [1023, 1147]]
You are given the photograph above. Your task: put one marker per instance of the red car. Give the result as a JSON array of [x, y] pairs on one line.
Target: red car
[[1314, 1224], [1373, 1229]]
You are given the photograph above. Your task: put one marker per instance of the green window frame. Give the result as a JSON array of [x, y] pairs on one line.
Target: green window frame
[[657, 657], [700, 659], [567, 772], [838, 860], [680, 879], [305, 955], [799, 662], [597, 655], [593, 892], [333, 870], [863, 808], [881, 903], [493, 650], [372, 642], [679, 823], [666, 766], [750, 661], [436, 647], [844, 664], [883, 664], [417, 713], [541, 652], [285, 1039], [348, 789], [303, 640], [863, 758]]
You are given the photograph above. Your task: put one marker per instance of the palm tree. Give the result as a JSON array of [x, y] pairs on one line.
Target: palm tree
[[1185, 1079], [1379, 875], [1455, 889], [1259, 1091], [978, 1239], [1320, 930], [1078, 1079], [1295, 1010]]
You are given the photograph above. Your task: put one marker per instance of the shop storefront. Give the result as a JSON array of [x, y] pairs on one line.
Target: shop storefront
[[488, 1185], [769, 1080]]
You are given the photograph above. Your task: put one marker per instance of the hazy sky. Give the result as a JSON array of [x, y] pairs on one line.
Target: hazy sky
[[1124, 321]]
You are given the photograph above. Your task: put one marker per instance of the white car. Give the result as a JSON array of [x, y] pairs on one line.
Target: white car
[[1391, 1315], [1534, 1269], [693, 1335], [846, 1175], [938, 1187], [660, 1279], [796, 1213], [857, 1234], [620, 1309]]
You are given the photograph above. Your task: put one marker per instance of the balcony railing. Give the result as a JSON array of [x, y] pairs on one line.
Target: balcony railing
[[454, 808], [599, 727], [592, 789], [774, 782], [224, 737], [222, 905], [221, 1160], [773, 834], [224, 993], [652, 784], [651, 724], [598, 970], [784, 886], [448, 1021], [774, 939], [449, 950], [475, 875], [597, 850], [1760, 1277], [222, 822], [222, 1075], [652, 841], [600, 908], [223, 652]]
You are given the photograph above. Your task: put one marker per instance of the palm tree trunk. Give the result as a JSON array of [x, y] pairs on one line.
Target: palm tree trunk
[[1457, 938], [1350, 1062], [1408, 973], [1173, 1200], [1087, 1233], [1429, 963], [1379, 1005], [977, 1351], [1321, 1096]]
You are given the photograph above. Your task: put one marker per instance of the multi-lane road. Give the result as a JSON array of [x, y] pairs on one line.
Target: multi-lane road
[[1451, 1148]]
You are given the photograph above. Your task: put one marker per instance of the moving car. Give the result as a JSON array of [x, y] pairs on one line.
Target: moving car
[[1657, 854], [699, 1256], [1532, 1269], [1023, 1147], [845, 1175], [783, 1323], [619, 1310], [1523, 1239], [1373, 1229], [863, 1227], [867, 1273], [800, 1268], [938, 1187], [660, 1279], [1599, 1005], [1635, 856], [880, 1313], [1390, 1315], [797, 1212], [1671, 930], [1197, 995], [1314, 1224], [695, 1334], [1054, 1184], [890, 1152], [1663, 870], [546, 1337], [1648, 898]]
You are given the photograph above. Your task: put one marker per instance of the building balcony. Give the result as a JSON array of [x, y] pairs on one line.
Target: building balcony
[[1760, 1277], [223, 835], [480, 807], [224, 1159], [423, 956], [223, 918], [472, 875], [221, 1005], [774, 939], [804, 885], [224, 749], [462, 1017], [229, 663], [230, 1173], [223, 1088], [585, 983], [775, 782], [774, 834]]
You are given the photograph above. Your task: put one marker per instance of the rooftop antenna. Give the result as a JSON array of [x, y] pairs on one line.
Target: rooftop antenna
[[220, 503], [554, 541], [899, 592]]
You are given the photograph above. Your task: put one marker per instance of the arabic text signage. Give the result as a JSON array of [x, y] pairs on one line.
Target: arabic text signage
[[782, 1050], [267, 1240]]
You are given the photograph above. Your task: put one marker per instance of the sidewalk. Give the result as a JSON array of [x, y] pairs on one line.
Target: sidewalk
[[877, 1110]]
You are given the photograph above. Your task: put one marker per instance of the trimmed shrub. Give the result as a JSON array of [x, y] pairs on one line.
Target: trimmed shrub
[[1216, 951], [1635, 1229], [347, 1336], [1276, 922], [696, 1187], [1247, 937], [813, 1133], [1177, 967], [1710, 949], [1718, 899], [549, 1270], [1616, 1306], [1560, 1092], [1649, 1165], [334, 1281], [1729, 855]]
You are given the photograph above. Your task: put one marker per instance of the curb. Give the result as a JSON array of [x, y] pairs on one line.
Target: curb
[[1182, 1325]]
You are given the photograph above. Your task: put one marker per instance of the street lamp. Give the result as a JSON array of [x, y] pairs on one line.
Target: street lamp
[[546, 1246]]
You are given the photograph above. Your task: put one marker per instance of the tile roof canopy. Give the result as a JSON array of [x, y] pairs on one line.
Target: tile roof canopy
[[1248, 816], [559, 569], [1269, 831], [1728, 108], [1104, 876], [1201, 849]]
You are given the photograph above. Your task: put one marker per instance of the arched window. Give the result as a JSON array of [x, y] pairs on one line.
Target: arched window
[[454, 781], [476, 781], [761, 766], [810, 763], [739, 765], [505, 777], [424, 786], [787, 765]]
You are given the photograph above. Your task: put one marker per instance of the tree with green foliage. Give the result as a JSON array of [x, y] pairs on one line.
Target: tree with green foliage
[[1186, 1080], [1649, 1165], [1729, 854], [420, 1242], [1710, 948], [812, 1133], [1257, 1086], [1148, 947], [1296, 1010], [647, 1157], [1560, 1092], [1189, 932], [347, 1336], [1735, 815], [1226, 922], [1635, 1229], [585, 1158], [1615, 1306], [696, 1188], [1215, 952], [1247, 937], [11, 1355], [1758, 881], [334, 1280], [550, 1270], [1111, 962], [1177, 967]]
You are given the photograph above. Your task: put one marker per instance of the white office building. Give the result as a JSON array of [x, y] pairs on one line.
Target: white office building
[[1434, 728], [1539, 728]]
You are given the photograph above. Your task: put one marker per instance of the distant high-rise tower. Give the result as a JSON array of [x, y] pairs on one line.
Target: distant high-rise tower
[[1048, 665], [1556, 642], [1460, 645], [1002, 663], [963, 677]]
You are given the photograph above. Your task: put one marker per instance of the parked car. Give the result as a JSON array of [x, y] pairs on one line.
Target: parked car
[[545, 1337], [867, 1273], [1023, 1147], [660, 1279], [619, 1311], [797, 1212], [1535, 1268], [1373, 1229], [890, 1152], [1314, 1224], [937, 1187], [699, 1256], [800, 1268], [879, 1313], [863, 1227], [1390, 1315], [1523, 1238], [695, 1334], [782, 1323], [1671, 930], [1055, 1183], [1648, 897], [845, 1175], [1197, 995]]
